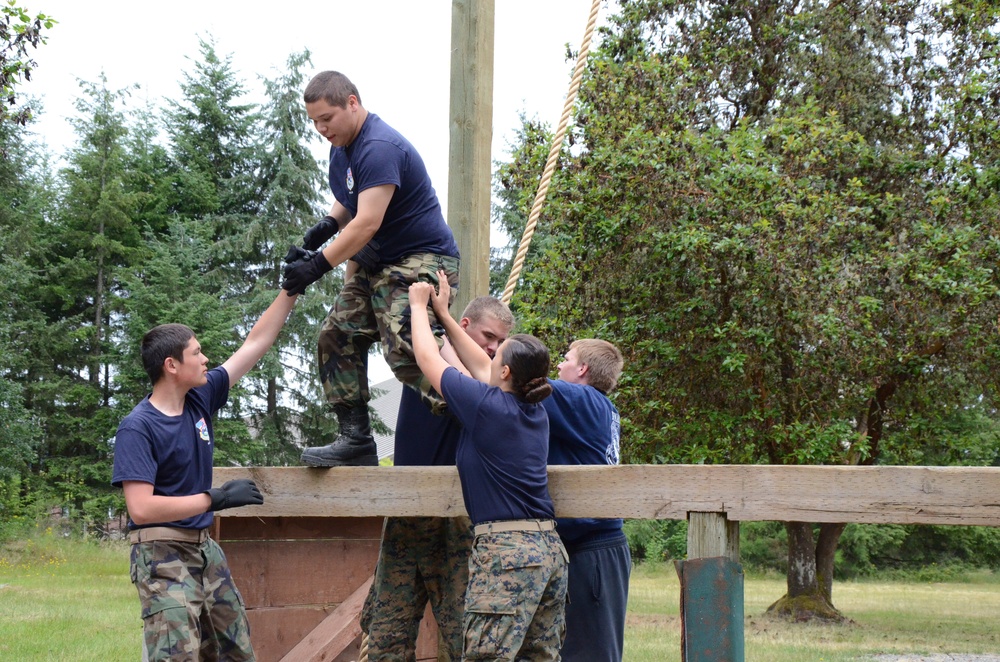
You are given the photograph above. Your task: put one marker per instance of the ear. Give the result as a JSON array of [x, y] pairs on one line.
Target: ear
[[170, 365], [582, 373], [505, 372], [464, 322]]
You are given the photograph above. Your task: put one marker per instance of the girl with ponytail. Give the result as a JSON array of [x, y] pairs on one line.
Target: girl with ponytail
[[518, 573]]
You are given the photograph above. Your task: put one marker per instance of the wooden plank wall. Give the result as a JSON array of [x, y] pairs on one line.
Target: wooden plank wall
[[293, 572]]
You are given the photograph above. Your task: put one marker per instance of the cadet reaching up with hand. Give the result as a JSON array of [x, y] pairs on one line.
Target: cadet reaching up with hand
[[516, 598], [163, 461]]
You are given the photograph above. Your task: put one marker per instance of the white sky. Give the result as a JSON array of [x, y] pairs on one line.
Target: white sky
[[396, 51]]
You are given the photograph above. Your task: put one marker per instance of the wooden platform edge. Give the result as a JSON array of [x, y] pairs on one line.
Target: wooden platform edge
[[899, 495]]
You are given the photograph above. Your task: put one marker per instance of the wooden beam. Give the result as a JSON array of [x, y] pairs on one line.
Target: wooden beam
[[899, 495], [335, 633], [469, 163]]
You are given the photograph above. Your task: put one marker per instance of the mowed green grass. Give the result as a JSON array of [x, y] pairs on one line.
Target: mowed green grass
[[884, 617], [68, 600]]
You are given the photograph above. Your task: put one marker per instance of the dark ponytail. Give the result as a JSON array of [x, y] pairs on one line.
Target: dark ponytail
[[537, 390], [528, 360]]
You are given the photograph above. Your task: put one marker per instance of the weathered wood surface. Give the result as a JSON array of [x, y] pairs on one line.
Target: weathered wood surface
[[711, 535], [901, 495], [470, 166], [334, 634], [295, 572]]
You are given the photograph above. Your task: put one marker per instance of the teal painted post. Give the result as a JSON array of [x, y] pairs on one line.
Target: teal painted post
[[711, 591], [711, 610]]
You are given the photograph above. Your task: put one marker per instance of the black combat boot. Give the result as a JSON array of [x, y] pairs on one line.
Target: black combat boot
[[354, 445]]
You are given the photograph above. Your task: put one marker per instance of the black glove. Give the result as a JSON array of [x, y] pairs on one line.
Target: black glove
[[235, 493], [303, 271], [320, 233], [367, 258]]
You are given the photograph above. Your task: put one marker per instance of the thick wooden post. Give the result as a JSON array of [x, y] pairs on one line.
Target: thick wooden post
[[711, 535], [469, 165], [711, 591]]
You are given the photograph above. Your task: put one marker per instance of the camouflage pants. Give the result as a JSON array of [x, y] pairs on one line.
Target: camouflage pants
[[191, 610], [516, 601], [421, 559], [374, 306]]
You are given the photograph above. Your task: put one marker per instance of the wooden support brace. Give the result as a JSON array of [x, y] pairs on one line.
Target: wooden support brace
[[335, 633]]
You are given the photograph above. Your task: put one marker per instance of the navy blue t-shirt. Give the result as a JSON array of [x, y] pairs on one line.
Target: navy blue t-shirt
[[584, 428], [173, 453], [501, 451], [413, 222], [423, 439]]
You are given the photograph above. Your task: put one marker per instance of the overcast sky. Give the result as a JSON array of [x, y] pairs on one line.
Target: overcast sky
[[396, 51]]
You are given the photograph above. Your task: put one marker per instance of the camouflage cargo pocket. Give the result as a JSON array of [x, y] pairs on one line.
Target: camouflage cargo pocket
[[491, 628]]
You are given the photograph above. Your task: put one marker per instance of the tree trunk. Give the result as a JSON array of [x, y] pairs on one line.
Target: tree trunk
[[810, 573], [826, 550]]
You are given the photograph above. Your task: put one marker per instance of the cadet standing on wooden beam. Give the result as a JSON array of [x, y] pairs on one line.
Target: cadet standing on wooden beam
[[394, 234]]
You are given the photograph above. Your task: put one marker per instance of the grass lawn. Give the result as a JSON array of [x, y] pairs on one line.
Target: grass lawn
[[67, 600], [885, 617]]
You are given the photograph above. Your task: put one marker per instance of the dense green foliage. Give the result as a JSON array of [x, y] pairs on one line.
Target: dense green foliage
[[921, 553], [19, 31], [139, 227], [787, 215]]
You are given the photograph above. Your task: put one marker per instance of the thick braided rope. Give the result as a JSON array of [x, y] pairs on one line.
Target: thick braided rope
[[363, 653], [550, 164]]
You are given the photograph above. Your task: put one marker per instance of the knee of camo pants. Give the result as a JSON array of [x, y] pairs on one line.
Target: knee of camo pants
[[391, 302], [345, 337]]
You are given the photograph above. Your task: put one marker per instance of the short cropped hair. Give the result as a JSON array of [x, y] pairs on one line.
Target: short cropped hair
[[332, 87], [159, 343], [603, 360], [489, 307]]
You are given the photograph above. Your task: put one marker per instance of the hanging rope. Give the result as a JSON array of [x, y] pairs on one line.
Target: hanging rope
[[550, 164], [363, 653]]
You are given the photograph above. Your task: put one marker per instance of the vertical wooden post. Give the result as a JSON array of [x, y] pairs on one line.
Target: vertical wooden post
[[711, 535], [711, 591], [469, 164]]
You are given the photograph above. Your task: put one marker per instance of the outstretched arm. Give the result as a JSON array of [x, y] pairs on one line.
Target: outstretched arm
[[425, 348], [472, 355], [261, 337]]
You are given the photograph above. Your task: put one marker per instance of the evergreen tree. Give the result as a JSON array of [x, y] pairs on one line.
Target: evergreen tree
[[291, 181], [23, 190], [90, 243], [215, 149]]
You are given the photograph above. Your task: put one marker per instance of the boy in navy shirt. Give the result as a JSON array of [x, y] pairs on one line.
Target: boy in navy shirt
[[393, 233], [584, 428], [163, 461]]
